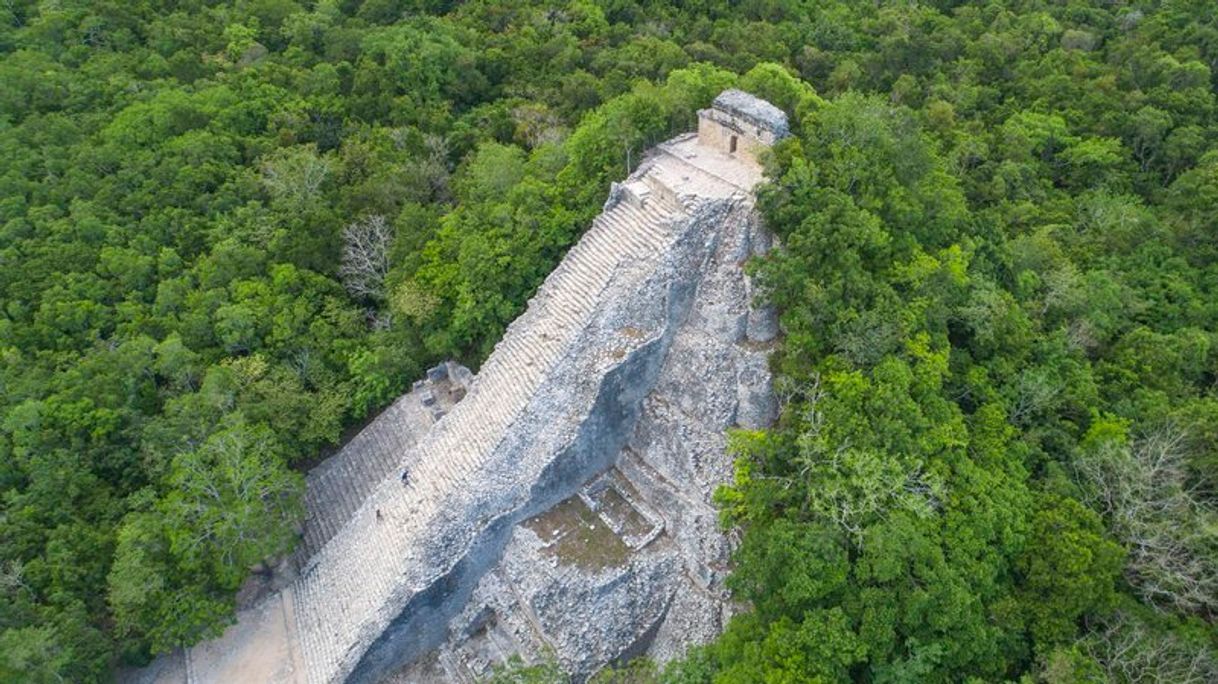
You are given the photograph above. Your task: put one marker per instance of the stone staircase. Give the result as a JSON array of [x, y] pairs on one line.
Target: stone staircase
[[337, 488], [352, 578]]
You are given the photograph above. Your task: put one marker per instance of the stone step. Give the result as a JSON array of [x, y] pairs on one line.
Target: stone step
[[336, 492], [317, 533], [305, 636], [650, 220], [635, 246], [389, 460], [586, 289], [643, 244], [322, 520], [583, 291], [582, 278], [328, 601], [381, 437], [342, 489], [317, 647], [367, 477], [654, 217]]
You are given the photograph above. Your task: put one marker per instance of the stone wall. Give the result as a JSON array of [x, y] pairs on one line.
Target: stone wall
[[740, 124]]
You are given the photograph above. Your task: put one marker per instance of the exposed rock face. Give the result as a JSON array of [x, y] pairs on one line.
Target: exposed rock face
[[564, 503]]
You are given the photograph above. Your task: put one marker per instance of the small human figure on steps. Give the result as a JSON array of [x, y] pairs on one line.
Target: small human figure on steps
[[379, 517], [406, 477]]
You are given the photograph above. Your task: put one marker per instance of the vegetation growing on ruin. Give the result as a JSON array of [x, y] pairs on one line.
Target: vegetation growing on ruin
[[229, 230]]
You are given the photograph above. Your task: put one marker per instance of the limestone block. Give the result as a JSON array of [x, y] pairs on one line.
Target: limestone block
[[437, 373]]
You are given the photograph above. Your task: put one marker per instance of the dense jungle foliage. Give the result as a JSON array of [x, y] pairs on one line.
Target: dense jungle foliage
[[231, 230]]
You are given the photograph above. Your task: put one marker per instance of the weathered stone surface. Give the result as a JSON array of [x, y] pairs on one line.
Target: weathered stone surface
[[599, 599], [564, 501], [753, 109]]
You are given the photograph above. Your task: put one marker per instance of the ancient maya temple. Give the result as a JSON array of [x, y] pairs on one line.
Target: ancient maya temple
[[560, 501]]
